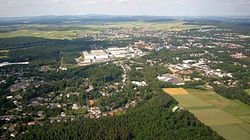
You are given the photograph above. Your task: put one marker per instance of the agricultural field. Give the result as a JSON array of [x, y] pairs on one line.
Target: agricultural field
[[229, 118], [176, 91], [3, 54], [4, 51], [170, 26]]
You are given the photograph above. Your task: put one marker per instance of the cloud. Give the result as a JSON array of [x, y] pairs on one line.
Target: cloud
[[90, 2], [124, 7]]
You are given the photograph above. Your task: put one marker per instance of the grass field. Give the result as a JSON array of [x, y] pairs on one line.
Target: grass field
[[248, 91], [190, 101], [170, 26], [234, 107], [215, 116], [71, 34], [238, 131], [229, 118]]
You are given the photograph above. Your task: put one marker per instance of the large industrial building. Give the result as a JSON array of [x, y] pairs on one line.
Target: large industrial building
[[93, 56], [128, 52], [171, 78]]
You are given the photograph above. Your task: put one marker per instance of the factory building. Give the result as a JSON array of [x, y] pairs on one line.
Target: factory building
[[108, 55]]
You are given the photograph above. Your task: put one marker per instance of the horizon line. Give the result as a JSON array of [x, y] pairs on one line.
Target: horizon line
[[123, 15]]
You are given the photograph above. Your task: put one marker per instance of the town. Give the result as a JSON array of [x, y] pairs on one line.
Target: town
[[107, 74]]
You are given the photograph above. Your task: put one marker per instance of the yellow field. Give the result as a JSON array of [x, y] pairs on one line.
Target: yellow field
[[4, 57], [175, 91], [4, 51], [3, 54]]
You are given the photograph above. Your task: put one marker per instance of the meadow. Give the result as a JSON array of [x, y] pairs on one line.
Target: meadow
[[169, 26], [229, 118], [248, 91], [69, 34]]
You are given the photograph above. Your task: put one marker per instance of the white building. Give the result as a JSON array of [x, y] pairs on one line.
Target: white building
[[140, 84], [88, 56], [102, 56], [119, 52], [109, 54]]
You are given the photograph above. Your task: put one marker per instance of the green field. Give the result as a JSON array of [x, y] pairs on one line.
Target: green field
[[248, 91], [215, 116], [238, 131], [71, 34], [3, 54], [190, 101], [170, 26], [229, 118], [70, 31]]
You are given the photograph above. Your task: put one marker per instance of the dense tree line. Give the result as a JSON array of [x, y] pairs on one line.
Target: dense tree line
[[232, 93], [4, 103], [42, 50]]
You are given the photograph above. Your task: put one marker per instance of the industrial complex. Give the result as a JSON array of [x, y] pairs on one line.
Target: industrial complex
[[95, 56]]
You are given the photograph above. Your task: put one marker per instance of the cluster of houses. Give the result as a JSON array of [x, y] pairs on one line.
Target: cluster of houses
[[19, 86], [239, 55], [143, 45], [188, 66], [121, 33], [139, 84], [181, 72], [95, 112]]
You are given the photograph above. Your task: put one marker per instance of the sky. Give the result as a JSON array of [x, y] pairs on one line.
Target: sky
[[20, 8]]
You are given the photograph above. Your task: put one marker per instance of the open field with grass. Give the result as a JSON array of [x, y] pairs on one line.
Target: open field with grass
[[190, 101], [215, 116], [248, 91], [229, 118], [71, 34], [69, 31], [170, 26], [234, 107], [238, 131]]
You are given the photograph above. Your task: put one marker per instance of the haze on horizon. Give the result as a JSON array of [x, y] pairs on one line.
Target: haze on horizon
[[20, 8]]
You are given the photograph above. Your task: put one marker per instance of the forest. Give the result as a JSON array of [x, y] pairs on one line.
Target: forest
[[152, 119], [233, 93]]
